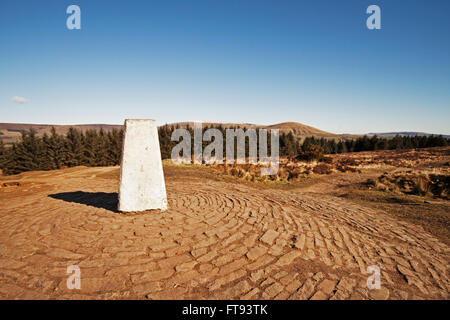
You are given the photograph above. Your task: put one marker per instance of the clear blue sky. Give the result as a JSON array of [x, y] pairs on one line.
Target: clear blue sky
[[264, 62]]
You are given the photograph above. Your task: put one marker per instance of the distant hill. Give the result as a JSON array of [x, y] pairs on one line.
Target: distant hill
[[405, 133], [11, 132], [296, 128]]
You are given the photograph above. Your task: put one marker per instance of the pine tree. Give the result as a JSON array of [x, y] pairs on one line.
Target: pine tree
[[75, 147], [441, 141], [27, 155], [58, 149], [100, 149], [396, 143], [3, 155], [47, 161], [341, 147], [89, 141], [291, 144], [9, 163], [113, 147], [165, 135]]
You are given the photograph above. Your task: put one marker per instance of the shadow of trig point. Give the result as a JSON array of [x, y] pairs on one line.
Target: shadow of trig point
[[142, 184]]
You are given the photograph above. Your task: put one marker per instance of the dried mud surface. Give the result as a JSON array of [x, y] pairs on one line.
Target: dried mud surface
[[219, 239]]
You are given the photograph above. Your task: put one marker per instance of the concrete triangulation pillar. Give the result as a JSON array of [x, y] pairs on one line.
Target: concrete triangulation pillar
[[142, 184]]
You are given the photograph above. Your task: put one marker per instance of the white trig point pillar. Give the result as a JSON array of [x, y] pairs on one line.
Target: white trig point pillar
[[142, 184]]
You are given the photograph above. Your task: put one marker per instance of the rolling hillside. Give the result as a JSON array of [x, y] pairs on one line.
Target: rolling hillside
[[405, 134], [11, 132]]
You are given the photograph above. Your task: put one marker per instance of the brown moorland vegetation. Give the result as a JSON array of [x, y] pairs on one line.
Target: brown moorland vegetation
[[227, 237]]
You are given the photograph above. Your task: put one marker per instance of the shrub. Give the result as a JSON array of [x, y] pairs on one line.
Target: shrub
[[328, 160], [310, 152], [322, 168], [371, 183]]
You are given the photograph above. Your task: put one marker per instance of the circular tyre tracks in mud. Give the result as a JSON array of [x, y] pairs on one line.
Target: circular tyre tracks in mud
[[217, 240]]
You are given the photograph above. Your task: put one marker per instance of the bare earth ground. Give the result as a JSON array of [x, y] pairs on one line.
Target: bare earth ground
[[221, 238]]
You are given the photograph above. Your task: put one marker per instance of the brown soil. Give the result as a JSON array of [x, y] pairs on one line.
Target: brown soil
[[222, 237]]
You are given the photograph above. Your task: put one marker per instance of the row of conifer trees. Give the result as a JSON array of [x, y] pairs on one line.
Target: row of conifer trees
[[54, 151], [100, 148]]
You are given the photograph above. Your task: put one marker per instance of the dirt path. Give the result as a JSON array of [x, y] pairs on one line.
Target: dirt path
[[217, 240], [334, 184]]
